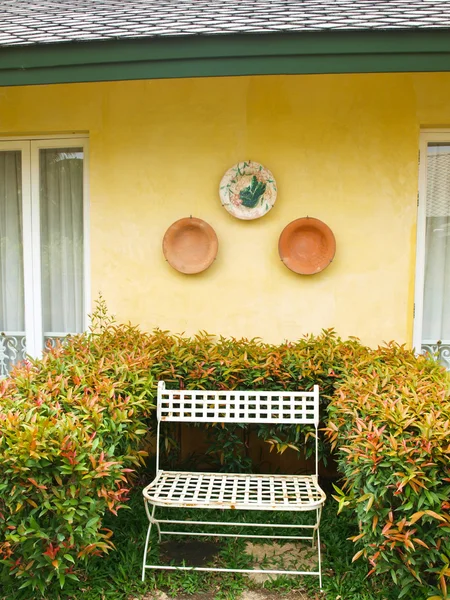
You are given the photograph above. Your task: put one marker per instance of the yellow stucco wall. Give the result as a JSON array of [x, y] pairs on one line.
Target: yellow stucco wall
[[343, 148]]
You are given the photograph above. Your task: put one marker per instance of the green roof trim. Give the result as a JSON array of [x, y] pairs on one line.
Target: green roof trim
[[227, 55]]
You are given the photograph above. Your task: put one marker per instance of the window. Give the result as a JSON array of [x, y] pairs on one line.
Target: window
[[432, 303], [43, 253]]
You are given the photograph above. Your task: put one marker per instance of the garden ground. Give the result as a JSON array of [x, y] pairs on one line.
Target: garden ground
[[117, 575], [246, 595]]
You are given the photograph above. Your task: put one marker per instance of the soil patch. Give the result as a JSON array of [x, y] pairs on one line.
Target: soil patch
[[192, 553], [246, 595], [289, 557]]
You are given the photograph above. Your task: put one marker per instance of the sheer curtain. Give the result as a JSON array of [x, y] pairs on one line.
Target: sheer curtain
[[61, 214], [12, 318], [436, 312]]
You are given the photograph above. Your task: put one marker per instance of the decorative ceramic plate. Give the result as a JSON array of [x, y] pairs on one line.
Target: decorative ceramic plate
[[248, 190], [190, 245], [307, 246]]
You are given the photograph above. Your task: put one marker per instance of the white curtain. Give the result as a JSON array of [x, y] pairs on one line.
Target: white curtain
[[12, 317], [436, 313], [61, 213]]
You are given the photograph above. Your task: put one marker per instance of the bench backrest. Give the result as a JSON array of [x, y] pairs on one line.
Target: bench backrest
[[200, 406]]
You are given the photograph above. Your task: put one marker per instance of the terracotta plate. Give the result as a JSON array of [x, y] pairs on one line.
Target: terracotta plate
[[248, 190], [307, 246], [190, 245]]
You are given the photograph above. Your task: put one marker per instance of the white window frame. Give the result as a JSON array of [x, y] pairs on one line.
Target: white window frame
[[29, 147], [426, 136]]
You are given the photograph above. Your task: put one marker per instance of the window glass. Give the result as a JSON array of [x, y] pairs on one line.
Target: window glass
[[436, 306], [12, 319], [61, 217]]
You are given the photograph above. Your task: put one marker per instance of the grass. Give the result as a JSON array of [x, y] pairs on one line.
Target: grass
[[117, 575]]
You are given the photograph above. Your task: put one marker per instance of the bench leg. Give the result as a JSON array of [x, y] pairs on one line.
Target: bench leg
[[320, 562], [316, 531], [316, 528], [151, 520]]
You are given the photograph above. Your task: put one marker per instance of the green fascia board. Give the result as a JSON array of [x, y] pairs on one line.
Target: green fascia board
[[420, 50]]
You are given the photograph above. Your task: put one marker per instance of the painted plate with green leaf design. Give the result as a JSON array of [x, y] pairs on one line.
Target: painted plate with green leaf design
[[248, 190]]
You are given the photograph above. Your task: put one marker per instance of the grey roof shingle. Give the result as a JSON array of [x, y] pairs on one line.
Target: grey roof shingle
[[25, 22]]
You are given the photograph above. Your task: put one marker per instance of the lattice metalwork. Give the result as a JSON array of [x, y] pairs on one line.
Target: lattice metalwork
[[50, 21], [239, 406], [236, 491], [12, 350]]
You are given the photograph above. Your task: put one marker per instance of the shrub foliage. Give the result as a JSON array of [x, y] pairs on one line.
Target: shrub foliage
[[71, 427], [390, 421], [74, 426]]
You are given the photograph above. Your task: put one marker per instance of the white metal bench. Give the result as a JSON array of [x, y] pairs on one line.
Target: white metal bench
[[232, 490]]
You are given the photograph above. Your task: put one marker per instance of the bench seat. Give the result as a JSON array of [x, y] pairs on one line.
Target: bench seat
[[235, 491]]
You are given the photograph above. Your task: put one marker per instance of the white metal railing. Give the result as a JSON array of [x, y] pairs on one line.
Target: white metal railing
[[12, 350], [13, 347], [51, 337], [441, 350]]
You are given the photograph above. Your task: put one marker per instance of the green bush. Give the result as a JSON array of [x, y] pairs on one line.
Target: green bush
[[71, 430], [74, 425], [206, 362], [390, 422]]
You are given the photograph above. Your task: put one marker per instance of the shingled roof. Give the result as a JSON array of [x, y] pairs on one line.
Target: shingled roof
[[26, 22]]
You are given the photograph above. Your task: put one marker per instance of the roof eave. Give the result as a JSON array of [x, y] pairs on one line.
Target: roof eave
[[419, 50]]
